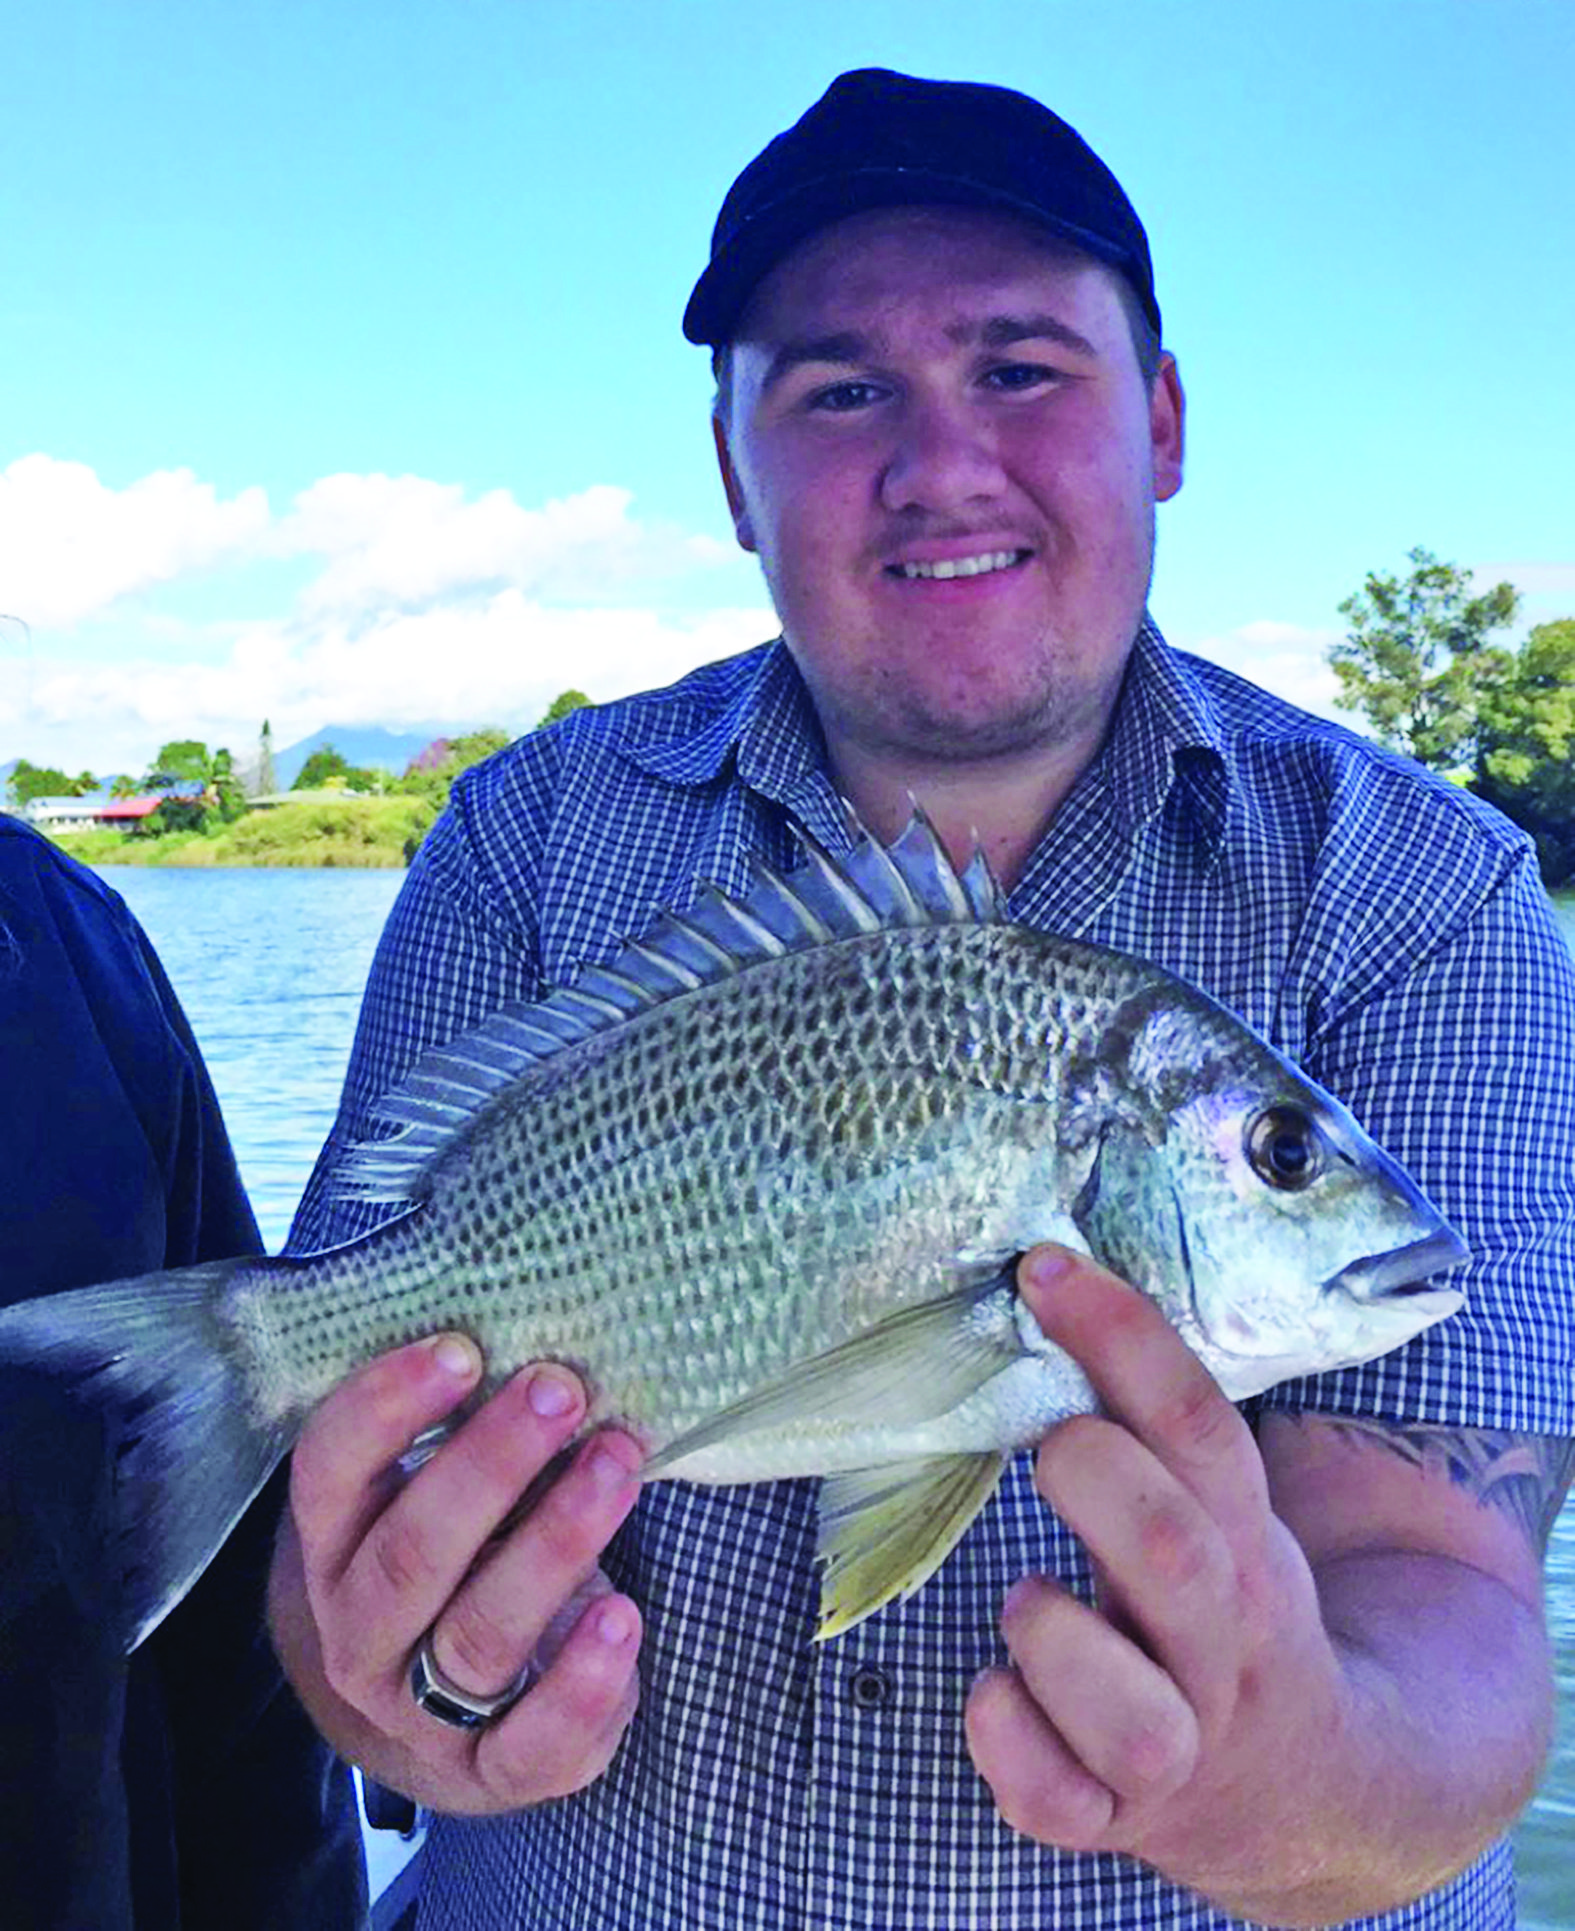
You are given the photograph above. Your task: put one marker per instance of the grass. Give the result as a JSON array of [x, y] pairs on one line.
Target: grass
[[368, 832]]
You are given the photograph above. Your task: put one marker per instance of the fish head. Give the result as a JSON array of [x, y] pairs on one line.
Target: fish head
[[1308, 1247], [1279, 1238]]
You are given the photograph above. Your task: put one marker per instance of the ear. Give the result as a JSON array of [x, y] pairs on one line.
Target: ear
[[742, 528], [1167, 409]]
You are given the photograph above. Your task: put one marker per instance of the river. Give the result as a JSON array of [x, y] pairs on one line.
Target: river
[[270, 964]]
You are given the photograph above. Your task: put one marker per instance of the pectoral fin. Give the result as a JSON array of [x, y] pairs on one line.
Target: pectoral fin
[[885, 1531], [917, 1365]]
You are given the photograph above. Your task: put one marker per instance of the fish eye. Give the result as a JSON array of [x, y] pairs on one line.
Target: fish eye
[[1285, 1148]]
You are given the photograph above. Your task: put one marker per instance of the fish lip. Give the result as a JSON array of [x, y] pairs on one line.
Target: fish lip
[[1401, 1273]]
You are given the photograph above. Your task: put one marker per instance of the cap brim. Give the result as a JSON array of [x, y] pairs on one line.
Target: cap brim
[[736, 270]]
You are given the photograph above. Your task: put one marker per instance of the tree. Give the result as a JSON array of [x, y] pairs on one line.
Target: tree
[[561, 706], [430, 775], [441, 762], [328, 769], [324, 763], [30, 781], [1526, 746], [183, 760], [1416, 662], [232, 799]]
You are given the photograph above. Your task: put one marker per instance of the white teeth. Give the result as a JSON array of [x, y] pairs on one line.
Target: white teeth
[[962, 566]]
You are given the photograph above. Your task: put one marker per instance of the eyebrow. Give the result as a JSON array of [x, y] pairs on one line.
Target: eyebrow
[[1001, 331], [848, 347]]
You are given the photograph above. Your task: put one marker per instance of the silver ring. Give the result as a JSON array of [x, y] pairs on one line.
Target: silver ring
[[458, 1708]]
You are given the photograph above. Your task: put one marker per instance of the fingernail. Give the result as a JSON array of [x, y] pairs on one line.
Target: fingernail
[[1046, 1266], [1016, 1598], [549, 1394], [457, 1357], [615, 1625], [607, 1468]]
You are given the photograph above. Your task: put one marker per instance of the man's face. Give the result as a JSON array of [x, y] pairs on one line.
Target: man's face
[[940, 445]]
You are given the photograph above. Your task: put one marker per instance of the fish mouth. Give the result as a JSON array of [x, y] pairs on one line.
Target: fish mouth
[[1402, 1273]]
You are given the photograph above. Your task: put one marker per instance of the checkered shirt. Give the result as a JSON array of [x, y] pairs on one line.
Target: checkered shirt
[[1379, 925]]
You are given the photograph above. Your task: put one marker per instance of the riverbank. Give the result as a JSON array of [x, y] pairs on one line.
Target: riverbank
[[324, 833]]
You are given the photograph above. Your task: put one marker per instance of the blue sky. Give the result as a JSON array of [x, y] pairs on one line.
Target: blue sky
[[341, 378]]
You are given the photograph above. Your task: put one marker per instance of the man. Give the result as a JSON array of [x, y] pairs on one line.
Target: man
[[1287, 1668], [183, 1791]]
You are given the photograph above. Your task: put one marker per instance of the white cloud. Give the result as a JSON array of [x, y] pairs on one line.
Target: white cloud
[[501, 661], [428, 607], [406, 541], [1287, 659], [72, 546]]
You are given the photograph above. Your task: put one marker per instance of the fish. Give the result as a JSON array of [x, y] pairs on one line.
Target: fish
[[762, 1182]]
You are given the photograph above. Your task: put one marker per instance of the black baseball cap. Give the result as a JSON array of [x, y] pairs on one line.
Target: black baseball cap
[[876, 139]]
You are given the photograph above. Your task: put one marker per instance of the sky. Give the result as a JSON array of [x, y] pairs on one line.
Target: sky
[[341, 376]]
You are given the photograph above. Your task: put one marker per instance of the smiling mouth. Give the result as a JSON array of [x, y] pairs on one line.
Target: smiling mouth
[[944, 569]]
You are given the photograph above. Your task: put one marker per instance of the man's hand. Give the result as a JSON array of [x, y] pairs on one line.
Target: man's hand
[[1301, 1727], [366, 1567]]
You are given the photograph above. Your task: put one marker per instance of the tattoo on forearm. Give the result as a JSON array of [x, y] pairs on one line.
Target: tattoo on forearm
[[1526, 1476]]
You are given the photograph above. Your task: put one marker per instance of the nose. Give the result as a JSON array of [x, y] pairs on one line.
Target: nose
[[944, 458]]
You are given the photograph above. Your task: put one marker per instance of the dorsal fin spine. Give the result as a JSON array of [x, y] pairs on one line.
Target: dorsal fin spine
[[821, 901], [685, 978]]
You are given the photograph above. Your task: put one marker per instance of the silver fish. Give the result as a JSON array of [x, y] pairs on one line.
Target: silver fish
[[762, 1181]]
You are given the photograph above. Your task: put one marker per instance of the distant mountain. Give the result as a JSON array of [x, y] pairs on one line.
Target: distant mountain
[[360, 745]]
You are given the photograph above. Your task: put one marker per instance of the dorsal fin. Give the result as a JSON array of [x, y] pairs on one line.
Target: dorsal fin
[[821, 900]]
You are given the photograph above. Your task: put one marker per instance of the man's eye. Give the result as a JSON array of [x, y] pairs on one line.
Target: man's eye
[[840, 398], [1016, 377]]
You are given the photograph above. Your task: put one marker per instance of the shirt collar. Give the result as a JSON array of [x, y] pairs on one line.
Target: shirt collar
[[1166, 735], [753, 713]]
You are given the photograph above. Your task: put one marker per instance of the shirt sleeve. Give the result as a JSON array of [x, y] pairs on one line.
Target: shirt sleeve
[[457, 946], [1463, 1067]]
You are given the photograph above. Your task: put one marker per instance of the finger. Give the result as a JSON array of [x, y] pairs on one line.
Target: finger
[[1146, 1376], [566, 1731], [418, 1550], [1038, 1784], [1166, 1567], [1119, 1714], [496, 1620], [356, 1433]]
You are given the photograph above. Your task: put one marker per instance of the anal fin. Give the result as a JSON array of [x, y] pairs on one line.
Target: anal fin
[[885, 1531]]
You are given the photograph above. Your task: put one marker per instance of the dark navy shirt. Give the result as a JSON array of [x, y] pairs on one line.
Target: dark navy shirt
[[1378, 925], [184, 1791]]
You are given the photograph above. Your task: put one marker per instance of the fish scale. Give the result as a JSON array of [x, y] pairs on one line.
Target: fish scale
[[762, 1181]]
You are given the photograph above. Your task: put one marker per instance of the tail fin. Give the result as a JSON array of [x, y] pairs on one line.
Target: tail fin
[[151, 1355]]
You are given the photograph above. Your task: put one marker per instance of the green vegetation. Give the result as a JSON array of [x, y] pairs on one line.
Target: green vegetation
[[1417, 664], [327, 767], [561, 706], [30, 781], [336, 821], [316, 831], [1526, 754]]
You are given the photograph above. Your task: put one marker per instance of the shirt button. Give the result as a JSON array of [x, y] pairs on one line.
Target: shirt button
[[870, 1688]]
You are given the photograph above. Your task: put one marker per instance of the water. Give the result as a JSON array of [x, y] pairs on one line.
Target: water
[[269, 966]]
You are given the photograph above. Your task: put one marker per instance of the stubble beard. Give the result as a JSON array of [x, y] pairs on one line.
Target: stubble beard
[[888, 716]]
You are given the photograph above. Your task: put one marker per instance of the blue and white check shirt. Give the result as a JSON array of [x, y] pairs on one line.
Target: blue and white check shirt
[[1378, 925]]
